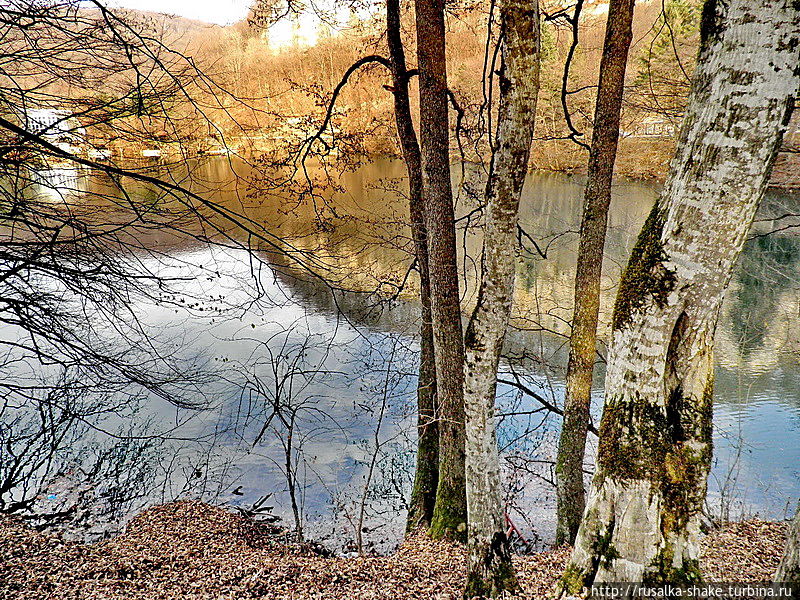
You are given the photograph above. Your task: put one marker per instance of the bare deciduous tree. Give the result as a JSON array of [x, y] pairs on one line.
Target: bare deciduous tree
[[583, 339], [450, 512], [86, 235], [643, 517], [423, 494], [490, 571]]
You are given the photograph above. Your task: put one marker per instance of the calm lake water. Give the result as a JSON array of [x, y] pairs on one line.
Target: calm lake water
[[337, 368]]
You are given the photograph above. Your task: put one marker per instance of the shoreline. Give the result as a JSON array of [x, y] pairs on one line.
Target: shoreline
[[192, 550]]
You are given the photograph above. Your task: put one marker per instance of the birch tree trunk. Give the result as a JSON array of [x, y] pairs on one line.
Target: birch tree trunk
[[597, 199], [423, 494], [642, 517], [789, 570], [490, 570], [450, 512]]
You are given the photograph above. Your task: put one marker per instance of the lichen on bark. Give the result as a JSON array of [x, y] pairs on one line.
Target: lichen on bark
[[655, 447], [490, 570]]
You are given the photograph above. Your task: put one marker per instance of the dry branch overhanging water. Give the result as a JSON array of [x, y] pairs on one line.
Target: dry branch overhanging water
[[348, 338], [216, 285]]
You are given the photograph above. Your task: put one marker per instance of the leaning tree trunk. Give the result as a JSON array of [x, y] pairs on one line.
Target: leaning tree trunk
[[789, 570], [490, 570], [597, 198], [450, 512], [423, 494], [642, 519]]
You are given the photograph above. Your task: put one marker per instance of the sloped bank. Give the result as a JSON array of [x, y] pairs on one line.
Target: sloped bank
[[191, 550]]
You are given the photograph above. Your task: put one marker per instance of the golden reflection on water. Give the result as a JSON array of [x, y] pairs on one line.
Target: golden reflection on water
[[358, 238]]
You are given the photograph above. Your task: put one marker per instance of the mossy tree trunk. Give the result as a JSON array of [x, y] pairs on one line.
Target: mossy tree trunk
[[490, 570], [789, 570], [597, 199], [642, 518], [423, 494], [450, 511]]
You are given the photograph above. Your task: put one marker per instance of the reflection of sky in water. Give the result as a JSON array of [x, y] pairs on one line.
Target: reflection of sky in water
[[335, 424], [757, 425], [757, 397], [765, 435]]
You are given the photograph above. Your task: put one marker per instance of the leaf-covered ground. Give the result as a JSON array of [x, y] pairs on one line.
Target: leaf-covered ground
[[191, 550]]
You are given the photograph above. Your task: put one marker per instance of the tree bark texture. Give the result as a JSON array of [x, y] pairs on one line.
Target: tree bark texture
[[450, 512], [789, 570], [642, 517], [423, 494], [490, 570], [597, 198]]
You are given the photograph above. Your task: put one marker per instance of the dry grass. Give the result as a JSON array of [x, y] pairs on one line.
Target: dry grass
[[191, 550]]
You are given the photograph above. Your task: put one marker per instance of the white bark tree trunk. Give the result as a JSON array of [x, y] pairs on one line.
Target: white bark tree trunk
[[789, 570], [490, 569], [642, 517]]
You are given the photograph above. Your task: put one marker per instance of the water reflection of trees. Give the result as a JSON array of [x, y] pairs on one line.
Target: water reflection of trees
[[58, 470], [361, 257], [768, 270]]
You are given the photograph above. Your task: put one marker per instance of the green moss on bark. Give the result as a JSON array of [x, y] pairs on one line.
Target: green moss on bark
[[603, 548], [645, 276], [493, 575], [426, 477], [660, 452], [622, 457], [450, 514], [573, 580], [682, 485], [662, 570], [503, 581]]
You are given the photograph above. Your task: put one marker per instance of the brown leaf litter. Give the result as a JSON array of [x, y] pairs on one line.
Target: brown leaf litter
[[191, 550]]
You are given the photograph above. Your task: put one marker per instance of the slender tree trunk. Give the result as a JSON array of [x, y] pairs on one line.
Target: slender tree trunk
[[597, 198], [642, 519], [450, 512], [789, 570], [490, 570], [423, 495]]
